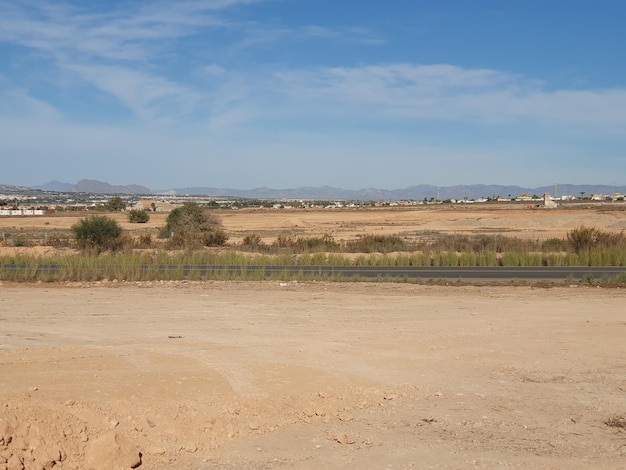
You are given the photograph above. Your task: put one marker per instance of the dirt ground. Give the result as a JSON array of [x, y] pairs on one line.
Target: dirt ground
[[314, 375], [273, 375]]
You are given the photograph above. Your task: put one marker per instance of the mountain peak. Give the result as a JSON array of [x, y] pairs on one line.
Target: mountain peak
[[99, 187]]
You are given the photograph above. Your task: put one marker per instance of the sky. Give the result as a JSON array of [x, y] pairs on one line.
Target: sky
[[291, 93]]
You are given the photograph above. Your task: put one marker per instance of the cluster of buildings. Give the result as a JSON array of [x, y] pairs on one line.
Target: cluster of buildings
[[23, 212], [45, 204]]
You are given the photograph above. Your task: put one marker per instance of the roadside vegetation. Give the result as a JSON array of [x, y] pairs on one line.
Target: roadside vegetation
[[193, 245]]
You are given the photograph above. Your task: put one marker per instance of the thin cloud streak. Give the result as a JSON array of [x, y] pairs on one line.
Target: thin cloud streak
[[125, 35], [149, 97], [446, 92], [133, 34]]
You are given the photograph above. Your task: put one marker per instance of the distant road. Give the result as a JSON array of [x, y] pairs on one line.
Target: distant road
[[377, 272], [448, 273]]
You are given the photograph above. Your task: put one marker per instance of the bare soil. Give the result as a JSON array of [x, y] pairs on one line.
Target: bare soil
[[314, 375], [293, 375]]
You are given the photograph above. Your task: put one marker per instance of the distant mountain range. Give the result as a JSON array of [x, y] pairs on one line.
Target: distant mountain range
[[418, 192], [93, 186]]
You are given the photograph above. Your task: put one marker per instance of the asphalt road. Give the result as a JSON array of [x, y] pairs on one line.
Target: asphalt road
[[448, 273], [499, 273]]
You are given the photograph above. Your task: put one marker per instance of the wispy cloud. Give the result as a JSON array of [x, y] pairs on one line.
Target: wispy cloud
[[118, 51], [132, 51], [17, 103], [124, 52], [148, 97], [122, 34], [138, 32], [255, 35], [447, 92]]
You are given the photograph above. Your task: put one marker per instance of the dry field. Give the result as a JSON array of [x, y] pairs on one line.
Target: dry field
[[311, 375], [513, 220], [269, 375]]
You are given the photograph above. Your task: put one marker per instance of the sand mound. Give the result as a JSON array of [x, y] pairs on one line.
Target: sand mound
[[33, 436]]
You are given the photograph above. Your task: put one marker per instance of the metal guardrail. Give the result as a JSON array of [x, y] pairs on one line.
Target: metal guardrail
[[501, 273]]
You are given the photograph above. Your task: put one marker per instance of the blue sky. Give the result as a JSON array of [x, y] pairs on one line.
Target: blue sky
[[289, 93]]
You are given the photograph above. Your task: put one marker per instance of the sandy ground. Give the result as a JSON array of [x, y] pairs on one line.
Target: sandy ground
[[311, 375]]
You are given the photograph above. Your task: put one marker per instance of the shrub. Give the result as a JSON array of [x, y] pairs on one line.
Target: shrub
[[144, 241], [21, 241], [586, 238], [376, 243], [324, 243], [98, 232], [115, 204], [138, 216], [306, 244], [57, 241], [192, 225], [284, 241], [554, 244], [253, 240], [582, 238]]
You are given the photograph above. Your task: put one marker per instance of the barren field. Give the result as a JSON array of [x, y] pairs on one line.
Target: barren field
[[311, 375], [344, 224]]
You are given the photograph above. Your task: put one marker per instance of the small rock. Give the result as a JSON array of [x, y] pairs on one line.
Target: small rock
[[345, 439], [345, 417], [155, 451], [190, 447], [341, 439]]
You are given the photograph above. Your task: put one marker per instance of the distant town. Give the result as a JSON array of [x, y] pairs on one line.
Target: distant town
[[36, 202]]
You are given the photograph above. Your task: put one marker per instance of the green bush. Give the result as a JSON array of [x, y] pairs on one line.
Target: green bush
[[138, 216], [98, 232], [115, 204], [511, 259], [193, 225]]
